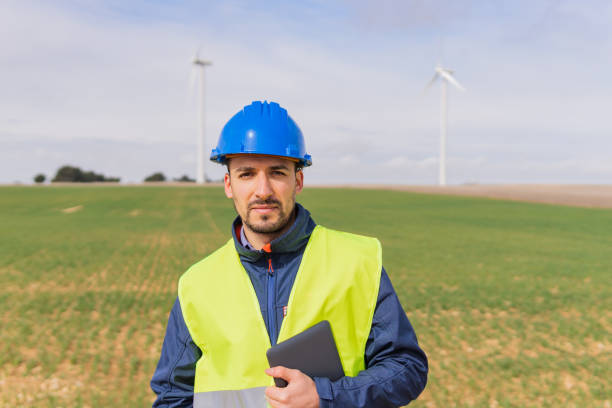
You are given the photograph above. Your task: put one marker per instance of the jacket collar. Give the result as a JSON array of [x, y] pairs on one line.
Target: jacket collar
[[292, 240]]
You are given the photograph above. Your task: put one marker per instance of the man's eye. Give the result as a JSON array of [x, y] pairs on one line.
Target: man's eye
[[245, 175], [278, 173]]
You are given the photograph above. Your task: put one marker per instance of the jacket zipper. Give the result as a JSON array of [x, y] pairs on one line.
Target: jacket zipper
[[271, 303]]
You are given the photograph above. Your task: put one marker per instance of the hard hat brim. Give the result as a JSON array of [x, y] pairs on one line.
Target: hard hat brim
[[230, 156]]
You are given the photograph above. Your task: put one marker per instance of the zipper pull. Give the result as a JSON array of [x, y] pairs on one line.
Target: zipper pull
[[270, 269], [268, 249]]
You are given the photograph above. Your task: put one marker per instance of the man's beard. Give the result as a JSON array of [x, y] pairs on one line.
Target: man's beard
[[264, 227]]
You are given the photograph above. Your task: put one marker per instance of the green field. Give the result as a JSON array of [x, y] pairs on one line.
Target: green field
[[511, 301]]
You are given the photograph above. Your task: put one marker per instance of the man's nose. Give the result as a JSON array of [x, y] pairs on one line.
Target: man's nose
[[263, 188]]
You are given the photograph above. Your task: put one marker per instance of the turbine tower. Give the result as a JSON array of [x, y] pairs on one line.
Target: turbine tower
[[200, 175], [446, 76]]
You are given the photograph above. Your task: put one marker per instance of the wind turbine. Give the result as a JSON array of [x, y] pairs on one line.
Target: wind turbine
[[200, 175], [446, 76]]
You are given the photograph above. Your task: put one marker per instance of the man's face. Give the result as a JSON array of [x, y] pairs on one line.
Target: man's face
[[263, 189]]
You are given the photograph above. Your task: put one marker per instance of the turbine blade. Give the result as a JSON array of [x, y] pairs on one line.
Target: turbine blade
[[430, 84], [196, 56], [192, 77], [446, 75]]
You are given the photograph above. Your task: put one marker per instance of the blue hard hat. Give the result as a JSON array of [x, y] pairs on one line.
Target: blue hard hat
[[261, 128]]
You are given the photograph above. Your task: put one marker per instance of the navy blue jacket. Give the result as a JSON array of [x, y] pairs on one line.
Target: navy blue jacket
[[396, 367]]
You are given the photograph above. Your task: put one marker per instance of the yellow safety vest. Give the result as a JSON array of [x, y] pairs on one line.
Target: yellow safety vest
[[338, 280]]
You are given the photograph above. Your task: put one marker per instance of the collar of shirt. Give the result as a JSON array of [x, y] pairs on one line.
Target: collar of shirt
[[244, 241]]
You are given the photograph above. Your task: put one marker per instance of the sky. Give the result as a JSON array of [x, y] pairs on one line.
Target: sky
[[109, 86]]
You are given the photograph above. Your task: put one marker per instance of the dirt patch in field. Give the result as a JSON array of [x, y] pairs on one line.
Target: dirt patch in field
[[71, 210], [596, 196], [35, 389]]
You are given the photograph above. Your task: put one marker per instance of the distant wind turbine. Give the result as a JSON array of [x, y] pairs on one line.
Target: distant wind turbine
[[446, 76], [200, 176]]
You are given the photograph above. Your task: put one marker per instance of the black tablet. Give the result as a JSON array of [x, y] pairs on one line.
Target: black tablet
[[313, 352]]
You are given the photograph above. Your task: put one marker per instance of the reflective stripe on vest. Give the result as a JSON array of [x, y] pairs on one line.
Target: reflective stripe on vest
[[338, 281], [246, 398]]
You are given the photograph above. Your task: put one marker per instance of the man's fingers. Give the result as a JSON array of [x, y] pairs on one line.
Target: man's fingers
[[274, 404], [285, 373], [301, 391], [276, 394]]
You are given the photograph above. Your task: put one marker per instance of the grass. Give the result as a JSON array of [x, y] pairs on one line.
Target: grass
[[511, 301]]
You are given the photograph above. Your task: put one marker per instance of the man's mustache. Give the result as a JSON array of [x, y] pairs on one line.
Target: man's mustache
[[269, 201]]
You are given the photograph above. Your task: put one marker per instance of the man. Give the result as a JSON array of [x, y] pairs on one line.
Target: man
[[278, 275]]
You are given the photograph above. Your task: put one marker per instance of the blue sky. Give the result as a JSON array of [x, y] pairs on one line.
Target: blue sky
[[108, 86]]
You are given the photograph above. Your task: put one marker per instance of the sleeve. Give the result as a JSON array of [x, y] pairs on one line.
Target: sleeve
[[396, 367], [175, 373]]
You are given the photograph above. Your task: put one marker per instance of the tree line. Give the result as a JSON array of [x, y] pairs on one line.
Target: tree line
[[72, 174]]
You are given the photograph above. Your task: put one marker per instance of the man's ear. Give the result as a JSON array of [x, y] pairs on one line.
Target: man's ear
[[227, 184], [299, 181]]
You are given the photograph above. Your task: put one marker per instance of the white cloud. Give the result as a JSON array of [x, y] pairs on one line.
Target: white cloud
[[398, 162], [87, 73], [348, 160]]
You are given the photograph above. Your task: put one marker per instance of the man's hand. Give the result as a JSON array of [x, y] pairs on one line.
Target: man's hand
[[301, 391]]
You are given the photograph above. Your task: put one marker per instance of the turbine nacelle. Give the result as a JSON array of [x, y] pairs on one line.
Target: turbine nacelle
[[445, 74], [197, 61], [202, 63]]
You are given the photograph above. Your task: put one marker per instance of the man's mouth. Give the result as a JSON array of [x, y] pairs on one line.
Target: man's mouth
[[263, 208]]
